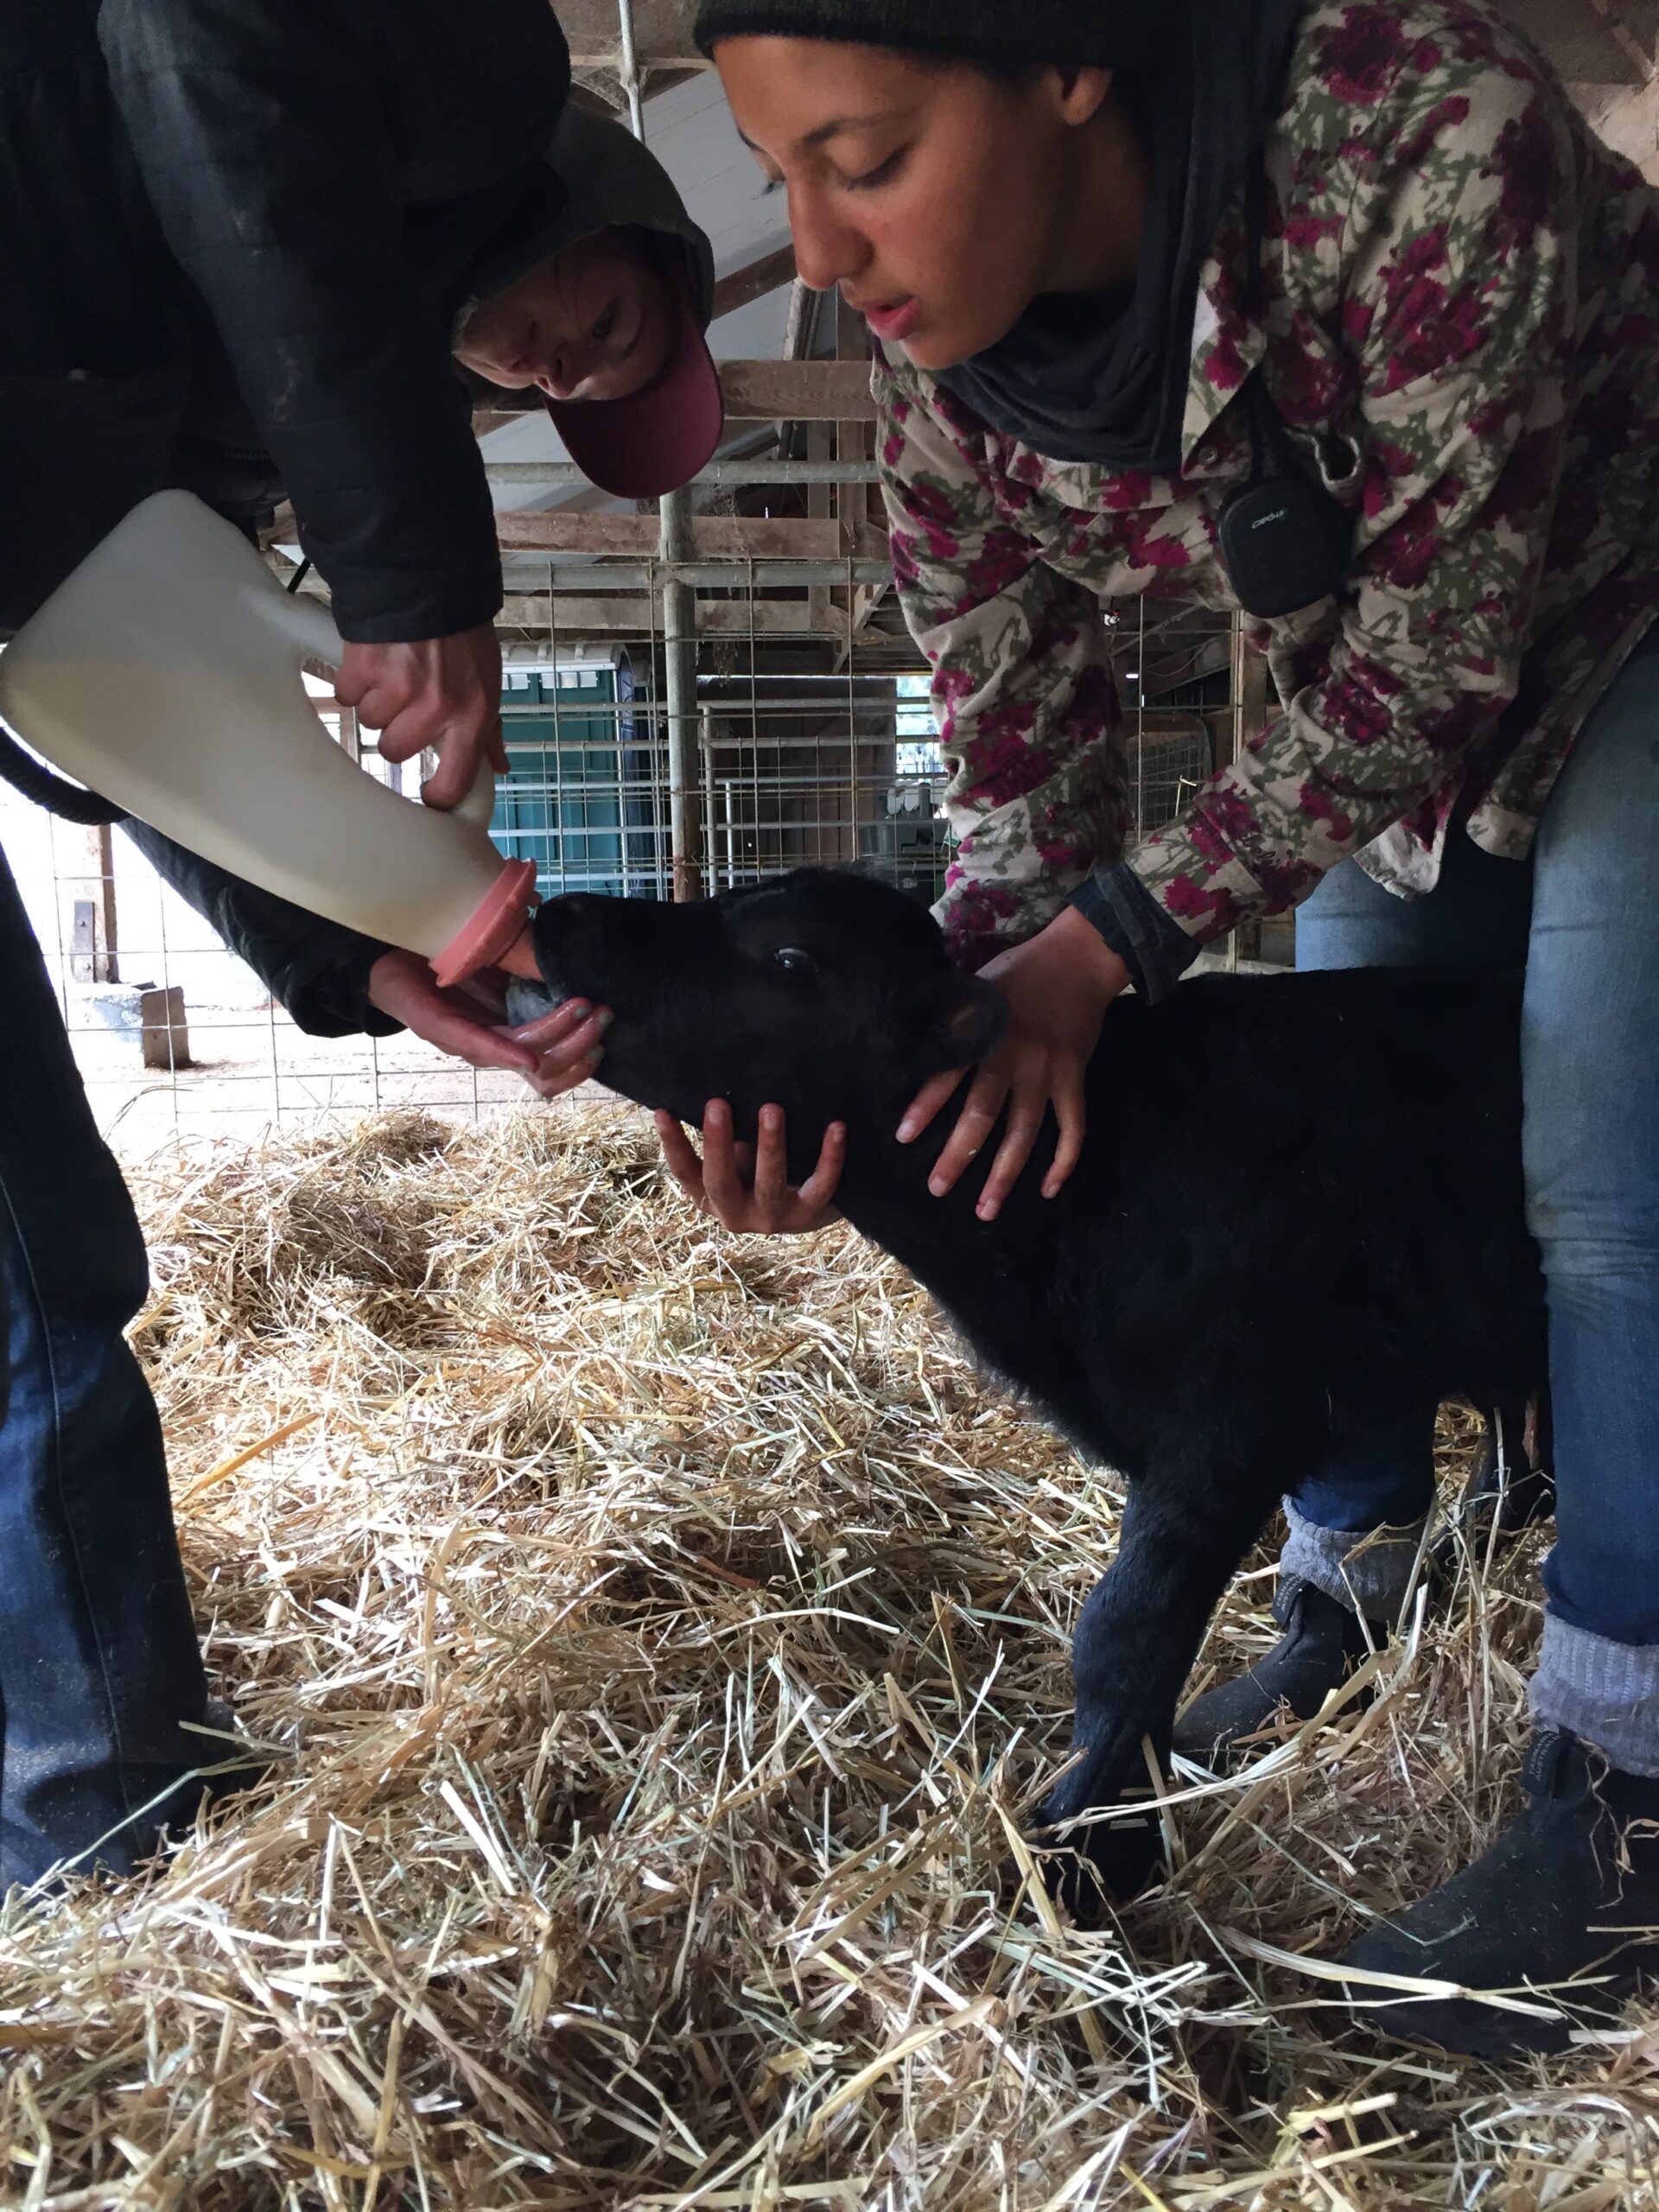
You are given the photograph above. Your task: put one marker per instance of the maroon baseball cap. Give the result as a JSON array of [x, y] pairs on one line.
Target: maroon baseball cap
[[658, 438]]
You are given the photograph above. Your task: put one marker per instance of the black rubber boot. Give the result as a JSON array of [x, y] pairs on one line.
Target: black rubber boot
[[1322, 1644], [1570, 1888]]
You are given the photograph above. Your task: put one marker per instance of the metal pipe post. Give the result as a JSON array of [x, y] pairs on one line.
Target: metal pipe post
[[630, 69], [680, 661]]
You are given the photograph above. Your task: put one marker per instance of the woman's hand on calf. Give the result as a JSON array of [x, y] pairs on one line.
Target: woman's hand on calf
[[1059, 987], [747, 1187]]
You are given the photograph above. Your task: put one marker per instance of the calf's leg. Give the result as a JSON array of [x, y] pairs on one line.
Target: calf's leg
[[1135, 1646]]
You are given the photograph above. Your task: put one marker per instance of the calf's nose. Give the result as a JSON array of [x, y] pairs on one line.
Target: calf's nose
[[528, 1002]]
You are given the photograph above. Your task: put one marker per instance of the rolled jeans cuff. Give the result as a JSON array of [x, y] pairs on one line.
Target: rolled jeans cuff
[[1605, 1694], [1368, 1570]]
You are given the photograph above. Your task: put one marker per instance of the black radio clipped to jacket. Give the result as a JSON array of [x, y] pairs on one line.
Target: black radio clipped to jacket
[[1285, 540]]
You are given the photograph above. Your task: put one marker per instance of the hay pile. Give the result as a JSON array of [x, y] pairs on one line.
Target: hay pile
[[659, 1639]]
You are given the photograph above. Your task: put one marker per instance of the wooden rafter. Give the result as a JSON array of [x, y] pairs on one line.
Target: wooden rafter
[[632, 614], [754, 281], [1626, 38], [714, 537], [762, 392]]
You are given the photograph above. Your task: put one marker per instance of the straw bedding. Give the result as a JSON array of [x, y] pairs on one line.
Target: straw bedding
[[657, 1639]]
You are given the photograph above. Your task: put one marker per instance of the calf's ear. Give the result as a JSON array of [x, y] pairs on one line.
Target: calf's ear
[[959, 1021]]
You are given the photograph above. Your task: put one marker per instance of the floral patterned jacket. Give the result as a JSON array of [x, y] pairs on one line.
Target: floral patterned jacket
[[1459, 326]]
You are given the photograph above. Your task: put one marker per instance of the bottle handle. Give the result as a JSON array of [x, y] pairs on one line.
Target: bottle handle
[[477, 808], [309, 626]]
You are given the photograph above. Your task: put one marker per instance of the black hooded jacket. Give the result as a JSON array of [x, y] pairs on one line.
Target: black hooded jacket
[[234, 235]]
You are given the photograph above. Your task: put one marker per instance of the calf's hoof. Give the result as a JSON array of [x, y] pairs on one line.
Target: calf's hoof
[[1088, 1868]]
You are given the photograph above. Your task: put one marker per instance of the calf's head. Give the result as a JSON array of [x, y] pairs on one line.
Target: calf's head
[[826, 993]]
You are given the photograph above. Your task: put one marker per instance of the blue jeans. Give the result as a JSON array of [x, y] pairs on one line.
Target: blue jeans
[[1582, 917], [99, 1660]]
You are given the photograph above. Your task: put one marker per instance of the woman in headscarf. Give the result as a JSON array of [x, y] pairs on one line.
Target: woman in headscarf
[[1335, 313]]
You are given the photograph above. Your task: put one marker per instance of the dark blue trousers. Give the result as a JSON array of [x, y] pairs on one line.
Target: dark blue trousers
[[98, 1659]]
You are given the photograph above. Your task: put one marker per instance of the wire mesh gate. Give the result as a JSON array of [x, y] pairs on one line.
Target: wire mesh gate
[[795, 768], [800, 763]]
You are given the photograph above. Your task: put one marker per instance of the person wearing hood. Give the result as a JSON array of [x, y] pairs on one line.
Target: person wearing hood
[[242, 248], [238, 242], [1340, 317], [602, 305]]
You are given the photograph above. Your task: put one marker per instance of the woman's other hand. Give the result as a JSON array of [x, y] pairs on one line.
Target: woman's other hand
[[1059, 987], [747, 1187], [553, 1054]]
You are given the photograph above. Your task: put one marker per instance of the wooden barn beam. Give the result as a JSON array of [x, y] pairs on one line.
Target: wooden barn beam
[[662, 32], [714, 537], [761, 391], [94, 939], [486, 419], [1628, 41], [631, 615], [753, 280], [859, 506], [650, 65], [798, 391]]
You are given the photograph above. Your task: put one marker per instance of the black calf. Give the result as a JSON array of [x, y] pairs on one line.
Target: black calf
[[1298, 1213]]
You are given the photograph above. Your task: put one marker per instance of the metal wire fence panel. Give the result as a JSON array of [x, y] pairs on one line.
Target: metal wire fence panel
[[815, 746], [584, 794], [1170, 765]]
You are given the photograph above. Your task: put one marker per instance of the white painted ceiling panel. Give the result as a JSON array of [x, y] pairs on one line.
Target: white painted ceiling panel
[[690, 129]]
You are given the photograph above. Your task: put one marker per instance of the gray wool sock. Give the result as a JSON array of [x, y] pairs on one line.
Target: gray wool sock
[[1368, 1570], [1605, 1694]]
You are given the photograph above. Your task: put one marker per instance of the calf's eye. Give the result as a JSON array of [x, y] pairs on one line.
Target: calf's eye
[[794, 962]]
